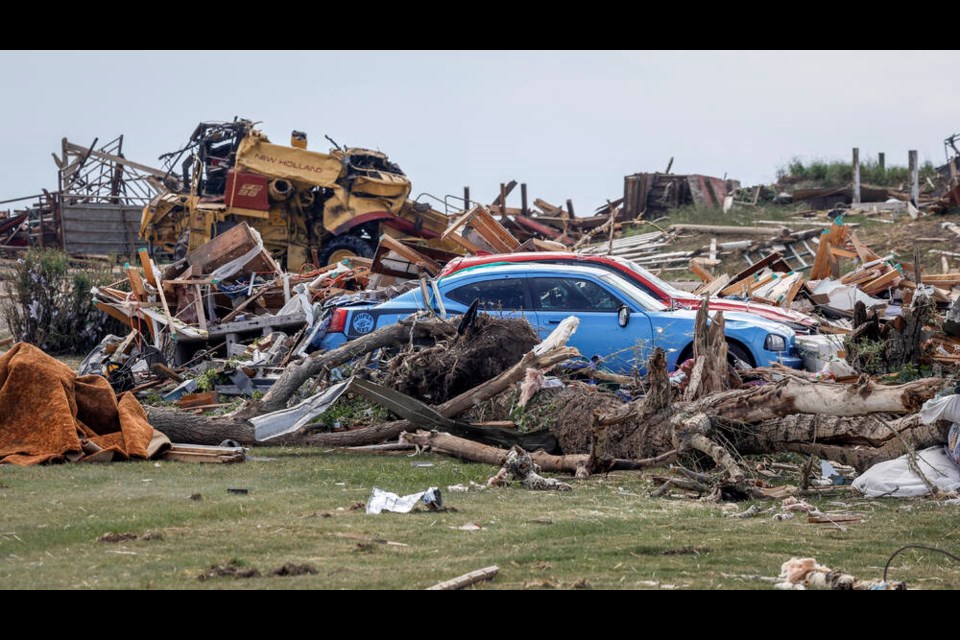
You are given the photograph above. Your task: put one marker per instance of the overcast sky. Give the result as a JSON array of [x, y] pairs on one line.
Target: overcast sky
[[569, 124]]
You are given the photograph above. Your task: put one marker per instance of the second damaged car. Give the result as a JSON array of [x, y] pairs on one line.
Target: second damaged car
[[620, 324]]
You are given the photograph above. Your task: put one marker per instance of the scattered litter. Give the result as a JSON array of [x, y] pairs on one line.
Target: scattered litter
[[798, 574], [520, 466], [381, 500], [750, 512], [196, 496], [238, 491], [464, 488], [470, 526]]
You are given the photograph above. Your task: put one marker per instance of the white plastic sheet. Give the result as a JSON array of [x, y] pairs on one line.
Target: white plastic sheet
[[381, 500], [894, 478], [945, 408]]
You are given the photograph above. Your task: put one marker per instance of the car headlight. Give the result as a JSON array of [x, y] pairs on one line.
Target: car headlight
[[775, 343]]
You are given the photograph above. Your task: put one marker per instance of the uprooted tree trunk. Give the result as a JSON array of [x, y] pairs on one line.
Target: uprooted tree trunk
[[840, 422], [709, 374], [831, 420], [875, 347]]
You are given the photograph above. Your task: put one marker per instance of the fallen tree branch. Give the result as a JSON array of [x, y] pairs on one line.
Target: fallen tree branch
[[475, 452]]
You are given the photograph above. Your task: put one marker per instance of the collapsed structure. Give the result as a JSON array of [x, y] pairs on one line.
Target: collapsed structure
[[263, 241]]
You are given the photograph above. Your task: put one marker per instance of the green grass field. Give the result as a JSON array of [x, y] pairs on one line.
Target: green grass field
[[606, 533]]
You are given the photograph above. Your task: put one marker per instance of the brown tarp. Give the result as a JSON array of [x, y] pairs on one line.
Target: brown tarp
[[50, 414]]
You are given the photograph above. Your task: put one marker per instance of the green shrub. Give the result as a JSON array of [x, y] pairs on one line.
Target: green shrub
[[838, 173], [49, 304]]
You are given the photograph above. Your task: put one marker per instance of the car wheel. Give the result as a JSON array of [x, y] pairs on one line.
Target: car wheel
[[735, 352]]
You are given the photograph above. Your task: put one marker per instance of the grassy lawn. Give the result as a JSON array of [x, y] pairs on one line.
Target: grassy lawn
[[607, 531]]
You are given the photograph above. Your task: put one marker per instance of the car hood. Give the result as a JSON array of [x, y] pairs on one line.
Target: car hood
[[738, 320], [788, 315]]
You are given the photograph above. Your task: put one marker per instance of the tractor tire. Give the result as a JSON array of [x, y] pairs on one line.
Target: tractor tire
[[336, 249]]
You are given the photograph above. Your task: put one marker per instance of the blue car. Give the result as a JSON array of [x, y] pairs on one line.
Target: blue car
[[620, 324]]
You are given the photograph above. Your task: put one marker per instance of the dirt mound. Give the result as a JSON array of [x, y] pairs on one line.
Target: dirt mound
[[291, 569], [435, 374], [230, 570]]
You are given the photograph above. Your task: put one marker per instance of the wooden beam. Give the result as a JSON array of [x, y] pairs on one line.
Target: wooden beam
[[856, 175], [479, 217], [698, 270], [914, 176], [136, 283], [201, 314], [467, 579], [843, 253], [409, 253], [147, 268]]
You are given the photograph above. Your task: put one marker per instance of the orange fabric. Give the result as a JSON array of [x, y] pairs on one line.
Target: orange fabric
[[49, 414]]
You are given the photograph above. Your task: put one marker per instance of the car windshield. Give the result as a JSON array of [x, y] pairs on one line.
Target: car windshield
[[635, 293], [668, 289]]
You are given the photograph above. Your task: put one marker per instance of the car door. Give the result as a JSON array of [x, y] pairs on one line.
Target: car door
[[505, 296], [599, 336]]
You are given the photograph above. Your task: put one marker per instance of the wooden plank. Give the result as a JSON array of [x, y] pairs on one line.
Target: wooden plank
[[494, 233], [860, 275], [466, 244], [409, 253], [698, 270], [712, 287], [760, 282], [229, 245], [723, 230], [792, 292], [163, 298], [136, 283], [740, 287], [821, 261], [197, 399], [467, 579], [201, 314], [879, 284], [114, 313], [757, 266], [147, 267], [829, 519], [537, 244], [843, 253], [856, 176], [865, 253], [209, 458]]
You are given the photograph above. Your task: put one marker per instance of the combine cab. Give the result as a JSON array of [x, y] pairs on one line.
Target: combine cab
[[309, 207]]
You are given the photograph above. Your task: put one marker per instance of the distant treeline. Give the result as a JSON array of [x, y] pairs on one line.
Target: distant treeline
[[838, 173]]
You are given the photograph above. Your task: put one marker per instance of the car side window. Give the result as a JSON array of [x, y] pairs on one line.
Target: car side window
[[493, 294], [571, 294]]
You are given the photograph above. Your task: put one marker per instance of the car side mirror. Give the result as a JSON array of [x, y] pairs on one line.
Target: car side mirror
[[623, 315]]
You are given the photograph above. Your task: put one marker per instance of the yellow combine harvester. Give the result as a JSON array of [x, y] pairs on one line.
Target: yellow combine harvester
[[309, 207]]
